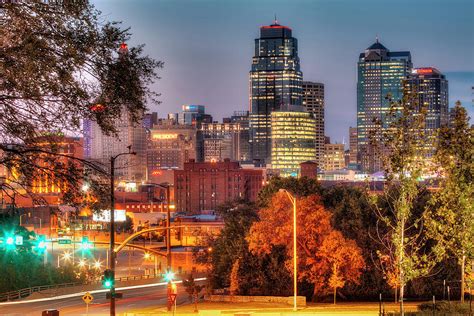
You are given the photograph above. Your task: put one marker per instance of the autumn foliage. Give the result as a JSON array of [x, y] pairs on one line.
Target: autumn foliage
[[325, 258]]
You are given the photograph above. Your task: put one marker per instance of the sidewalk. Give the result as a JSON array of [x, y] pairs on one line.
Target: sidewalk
[[275, 309]]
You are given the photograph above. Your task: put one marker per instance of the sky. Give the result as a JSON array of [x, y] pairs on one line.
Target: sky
[[207, 46]]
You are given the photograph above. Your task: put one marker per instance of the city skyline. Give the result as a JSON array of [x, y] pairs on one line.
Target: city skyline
[[328, 51]]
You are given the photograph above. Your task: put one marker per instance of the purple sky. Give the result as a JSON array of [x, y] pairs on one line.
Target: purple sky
[[207, 46]]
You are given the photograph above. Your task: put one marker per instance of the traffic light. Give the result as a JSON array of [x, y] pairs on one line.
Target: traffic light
[[108, 279], [41, 243], [85, 244], [10, 240], [169, 276]]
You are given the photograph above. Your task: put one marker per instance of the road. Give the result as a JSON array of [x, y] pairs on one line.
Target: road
[[133, 299]]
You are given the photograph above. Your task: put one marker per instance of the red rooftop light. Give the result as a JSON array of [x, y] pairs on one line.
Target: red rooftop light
[[274, 26]]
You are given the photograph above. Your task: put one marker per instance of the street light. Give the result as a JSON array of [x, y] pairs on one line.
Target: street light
[[112, 227], [295, 269], [97, 265]]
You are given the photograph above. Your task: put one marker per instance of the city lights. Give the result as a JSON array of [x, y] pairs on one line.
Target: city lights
[[97, 265], [81, 263], [66, 256], [169, 276]]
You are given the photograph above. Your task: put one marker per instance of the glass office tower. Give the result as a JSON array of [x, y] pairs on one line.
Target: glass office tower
[[380, 73], [432, 89], [275, 81], [293, 139]]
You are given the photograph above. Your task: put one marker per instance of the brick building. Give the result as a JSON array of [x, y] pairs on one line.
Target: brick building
[[205, 185]]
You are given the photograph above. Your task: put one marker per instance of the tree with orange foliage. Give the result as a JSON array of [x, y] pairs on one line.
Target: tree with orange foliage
[[320, 247], [345, 258]]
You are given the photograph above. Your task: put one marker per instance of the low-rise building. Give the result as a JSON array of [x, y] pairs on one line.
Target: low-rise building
[[202, 186]]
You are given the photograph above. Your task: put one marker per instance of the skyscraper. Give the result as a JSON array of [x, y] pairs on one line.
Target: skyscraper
[[353, 148], [313, 100], [432, 89], [275, 81], [293, 137], [242, 118], [380, 73], [103, 146]]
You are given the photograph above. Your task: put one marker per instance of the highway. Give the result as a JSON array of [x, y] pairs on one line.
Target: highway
[[134, 299]]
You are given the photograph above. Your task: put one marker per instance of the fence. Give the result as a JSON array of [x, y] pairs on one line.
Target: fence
[[22, 293], [17, 294]]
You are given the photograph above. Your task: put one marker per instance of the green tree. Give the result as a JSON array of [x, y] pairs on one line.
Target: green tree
[[60, 63], [353, 216], [299, 186], [403, 255], [450, 212], [22, 266], [193, 290]]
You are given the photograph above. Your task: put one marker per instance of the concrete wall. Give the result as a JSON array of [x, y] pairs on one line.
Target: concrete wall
[[300, 300]]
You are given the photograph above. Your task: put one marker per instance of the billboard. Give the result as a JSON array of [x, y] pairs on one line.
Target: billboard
[[104, 216]]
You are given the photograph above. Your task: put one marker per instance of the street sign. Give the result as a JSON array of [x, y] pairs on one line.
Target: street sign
[[172, 298], [18, 240], [87, 298], [64, 241]]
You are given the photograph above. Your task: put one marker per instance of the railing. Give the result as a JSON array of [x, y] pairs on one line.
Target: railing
[[22, 293], [17, 294]]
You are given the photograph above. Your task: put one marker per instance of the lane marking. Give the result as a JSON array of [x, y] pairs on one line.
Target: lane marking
[[60, 297]]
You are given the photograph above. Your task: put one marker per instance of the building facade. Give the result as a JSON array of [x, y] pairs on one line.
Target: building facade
[[242, 118], [275, 81], [169, 146], [334, 157], [380, 74], [313, 101], [431, 87], [293, 136], [203, 186], [221, 140], [102, 147], [353, 162]]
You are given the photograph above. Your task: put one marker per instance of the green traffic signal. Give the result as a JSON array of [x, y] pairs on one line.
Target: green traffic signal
[[108, 279], [10, 240], [169, 276], [85, 244], [41, 243]]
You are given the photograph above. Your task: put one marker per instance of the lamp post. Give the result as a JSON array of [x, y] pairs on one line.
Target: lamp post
[[112, 226], [168, 223], [295, 269]]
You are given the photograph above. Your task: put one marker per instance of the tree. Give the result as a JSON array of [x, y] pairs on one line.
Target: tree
[[314, 237], [258, 275], [353, 216], [403, 253], [193, 290], [234, 278], [61, 63], [23, 266], [344, 256], [450, 212], [300, 186]]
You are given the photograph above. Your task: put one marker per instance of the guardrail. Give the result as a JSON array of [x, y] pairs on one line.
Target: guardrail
[[17, 294], [22, 293]]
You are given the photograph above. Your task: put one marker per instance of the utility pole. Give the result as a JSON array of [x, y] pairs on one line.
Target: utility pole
[[168, 230], [112, 228]]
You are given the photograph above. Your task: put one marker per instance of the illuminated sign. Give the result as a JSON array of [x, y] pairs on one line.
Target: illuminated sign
[[156, 173], [104, 216], [164, 136], [423, 71]]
